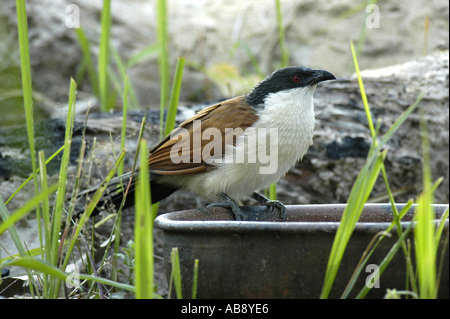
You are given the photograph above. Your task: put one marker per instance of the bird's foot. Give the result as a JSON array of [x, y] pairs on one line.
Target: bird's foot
[[231, 204], [270, 204]]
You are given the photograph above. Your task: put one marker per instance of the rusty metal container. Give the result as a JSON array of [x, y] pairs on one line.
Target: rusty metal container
[[267, 258]]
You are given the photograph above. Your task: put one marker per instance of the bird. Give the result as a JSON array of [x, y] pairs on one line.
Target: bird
[[233, 148]]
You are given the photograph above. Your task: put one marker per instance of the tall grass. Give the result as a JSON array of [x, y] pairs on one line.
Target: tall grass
[[143, 230], [103, 58], [163, 60], [175, 274], [281, 36], [56, 248], [106, 81], [424, 233], [25, 67], [87, 60], [174, 97], [426, 240]]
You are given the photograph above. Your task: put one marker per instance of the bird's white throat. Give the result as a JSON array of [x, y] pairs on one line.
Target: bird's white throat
[[291, 112]]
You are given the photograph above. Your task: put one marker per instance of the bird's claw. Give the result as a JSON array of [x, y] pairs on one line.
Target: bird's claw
[[231, 204], [271, 204]]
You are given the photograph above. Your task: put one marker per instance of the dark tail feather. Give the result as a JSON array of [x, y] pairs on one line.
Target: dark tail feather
[[114, 193]]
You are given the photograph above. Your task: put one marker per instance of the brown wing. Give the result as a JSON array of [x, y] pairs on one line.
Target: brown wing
[[230, 114]]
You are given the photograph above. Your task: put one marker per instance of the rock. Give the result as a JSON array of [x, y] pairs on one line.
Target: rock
[[234, 32]]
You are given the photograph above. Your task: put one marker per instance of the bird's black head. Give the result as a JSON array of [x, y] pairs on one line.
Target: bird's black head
[[285, 79]]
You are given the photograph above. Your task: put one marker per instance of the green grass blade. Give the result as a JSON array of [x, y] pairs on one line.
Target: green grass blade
[[22, 26], [273, 191], [175, 275], [39, 265], [281, 36], [46, 206], [124, 121], [440, 228], [44, 188], [107, 282], [34, 252], [57, 273], [60, 198], [44, 239], [163, 60], [122, 68], [355, 204], [25, 67], [143, 231], [424, 232], [195, 279], [363, 93], [103, 58], [400, 120], [151, 50], [8, 224], [86, 50], [174, 96], [61, 194], [424, 235]]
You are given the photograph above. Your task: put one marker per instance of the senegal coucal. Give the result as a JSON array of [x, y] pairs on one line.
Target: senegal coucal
[[233, 148]]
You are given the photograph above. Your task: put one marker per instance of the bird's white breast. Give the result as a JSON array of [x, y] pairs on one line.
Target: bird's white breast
[[291, 114]]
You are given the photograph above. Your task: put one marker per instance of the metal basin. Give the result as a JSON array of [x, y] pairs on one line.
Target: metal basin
[[267, 258]]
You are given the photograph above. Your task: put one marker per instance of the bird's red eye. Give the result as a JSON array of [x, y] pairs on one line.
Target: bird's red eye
[[296, 79]]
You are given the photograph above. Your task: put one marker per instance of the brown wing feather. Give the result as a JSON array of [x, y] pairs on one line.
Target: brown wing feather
[[233, 113]]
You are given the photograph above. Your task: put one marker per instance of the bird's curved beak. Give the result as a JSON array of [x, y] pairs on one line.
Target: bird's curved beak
[[320, 76]]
